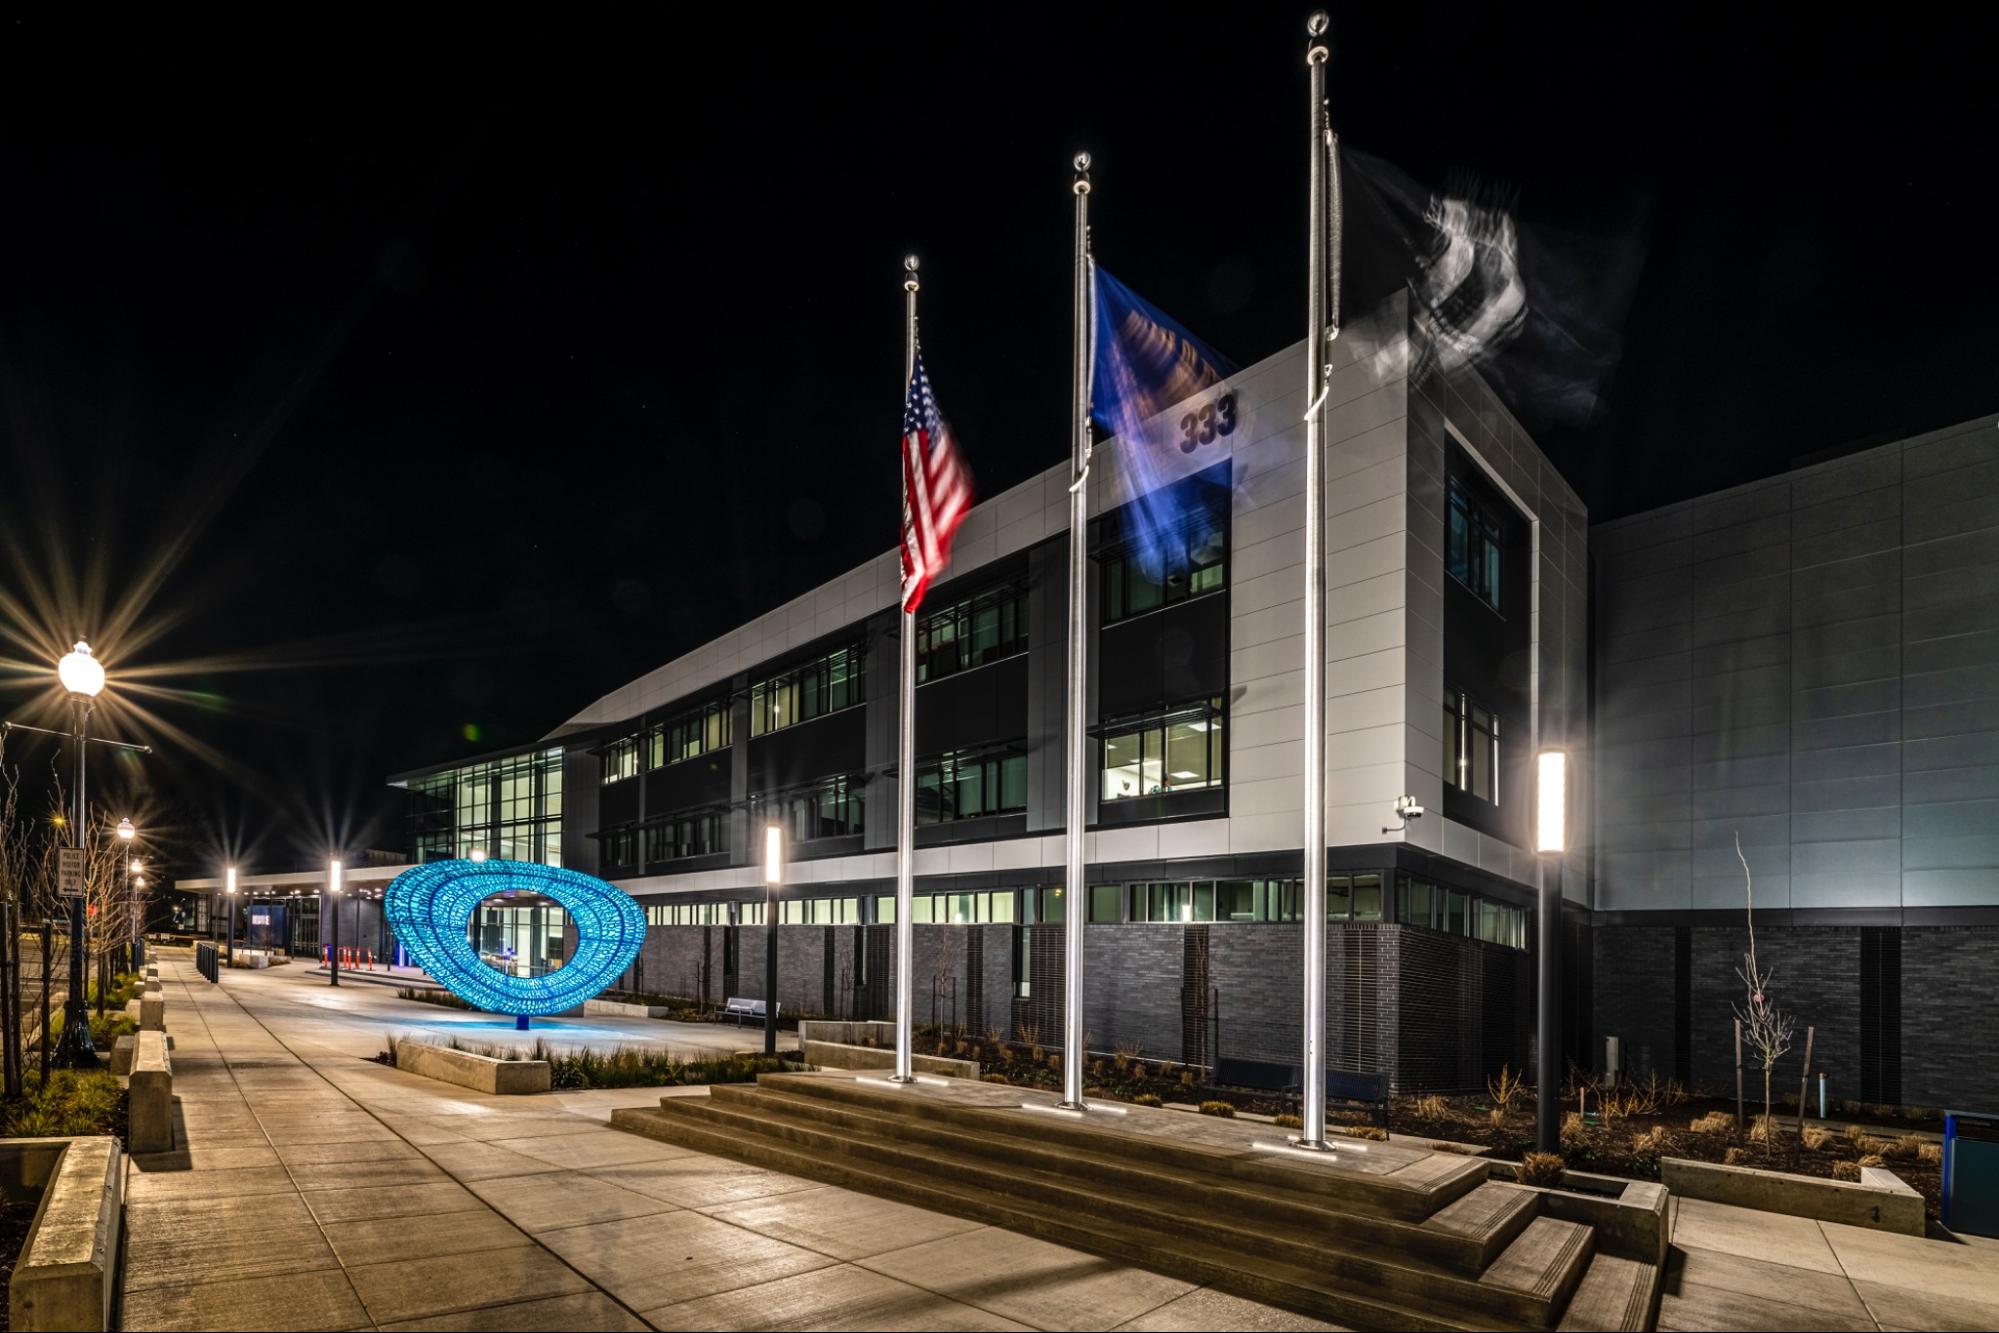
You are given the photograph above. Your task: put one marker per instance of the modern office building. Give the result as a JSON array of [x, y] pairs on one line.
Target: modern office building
[[1809, 663], [1457, 580]]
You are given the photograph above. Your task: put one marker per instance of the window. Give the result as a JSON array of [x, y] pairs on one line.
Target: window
[[509, 808], [971, 785], [687, 914], [819, 912], [813, 690], [1106, 903], [694, 733], [1177, 902], [1471, 747], [1441, 908], [828, 809], [976, 631], [621, 760], [621, 847], [997, 906], [1473, 543], [1191, 562], [1164, 753], [699, 833]]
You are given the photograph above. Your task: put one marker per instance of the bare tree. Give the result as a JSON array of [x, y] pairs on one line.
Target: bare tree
[[1767, 1028]]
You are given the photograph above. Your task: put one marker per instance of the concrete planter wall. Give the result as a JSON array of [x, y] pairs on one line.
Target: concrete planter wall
[[66, 1272], [619, 1009], [835, 1055], [1880, 1200], [481, 1073]]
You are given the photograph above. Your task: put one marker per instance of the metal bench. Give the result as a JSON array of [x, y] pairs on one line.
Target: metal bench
[[741, 1009]]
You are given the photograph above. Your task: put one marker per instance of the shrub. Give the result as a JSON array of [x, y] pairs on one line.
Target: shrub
[[1503, 1090], [1908, 1148], [80, 1101], [1498, 1117], [1847, 1171], [1869, 1146], [1374, 1133], [1735, 1157], [1541, 1168], [1287, 1122], [1931, 1154], [1872, 1159], [1714, 1122], [432, 995], [1226, 1110], [1432, 1107], [1149, 1099], [1653, 1140], [996, 1078], [1817, 1138]]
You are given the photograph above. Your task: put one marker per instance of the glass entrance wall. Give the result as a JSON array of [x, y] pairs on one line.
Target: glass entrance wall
[[519, 939]]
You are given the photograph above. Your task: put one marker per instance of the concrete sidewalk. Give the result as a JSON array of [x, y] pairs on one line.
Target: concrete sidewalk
[[321, 1191]]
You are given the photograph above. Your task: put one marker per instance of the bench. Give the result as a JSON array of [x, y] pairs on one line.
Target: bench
[[740, 1009], [152, 1094], [1342, 1085]]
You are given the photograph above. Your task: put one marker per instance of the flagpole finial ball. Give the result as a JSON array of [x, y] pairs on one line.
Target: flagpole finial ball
[[909, 263], [1082, 161], [1316, 25]]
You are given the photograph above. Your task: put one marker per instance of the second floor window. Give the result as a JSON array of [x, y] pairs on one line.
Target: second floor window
[[833, 808], [694, 733], [1473, 542], [621, 847], [813, 690], [1192, 561], [976, 631], [621, 760], [971, 785], [1161, 753], [699, 833], [1471, 747]]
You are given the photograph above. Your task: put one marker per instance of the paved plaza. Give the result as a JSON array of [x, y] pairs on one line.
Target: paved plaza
[[319, 1190]]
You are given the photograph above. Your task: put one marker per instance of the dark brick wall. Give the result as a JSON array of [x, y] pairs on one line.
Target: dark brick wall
[[1935, 1052]]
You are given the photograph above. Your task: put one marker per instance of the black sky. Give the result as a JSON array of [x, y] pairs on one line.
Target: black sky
[[457, 375]]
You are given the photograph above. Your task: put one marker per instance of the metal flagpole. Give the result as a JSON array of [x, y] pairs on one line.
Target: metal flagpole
[[1075, 910], [1317, 327], [905, 761]]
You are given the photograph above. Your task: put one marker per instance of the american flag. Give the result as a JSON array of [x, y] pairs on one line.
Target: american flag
[[936, 489]]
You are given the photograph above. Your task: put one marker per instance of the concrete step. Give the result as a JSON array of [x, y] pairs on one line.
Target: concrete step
[[1486, 1220], [1615, 1294], [1310, 1215], [1327, 1244], [1430, 1181], [1544, 1262], [1244, 1273]]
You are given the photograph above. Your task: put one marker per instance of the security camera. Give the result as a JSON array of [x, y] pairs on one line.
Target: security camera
[[1406, 809]]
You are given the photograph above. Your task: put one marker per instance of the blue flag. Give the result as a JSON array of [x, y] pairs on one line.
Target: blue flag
[[1164, 394]]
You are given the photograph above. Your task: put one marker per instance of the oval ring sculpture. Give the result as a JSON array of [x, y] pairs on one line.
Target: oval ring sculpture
[[430, 906]]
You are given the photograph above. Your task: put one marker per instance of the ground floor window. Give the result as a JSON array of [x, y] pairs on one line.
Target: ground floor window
[[1455, 912]]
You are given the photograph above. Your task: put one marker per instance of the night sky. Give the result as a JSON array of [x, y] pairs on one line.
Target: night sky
[[416, 386]]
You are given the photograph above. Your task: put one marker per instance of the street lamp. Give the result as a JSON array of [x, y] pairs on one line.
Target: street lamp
[[1550, 842], [126, 833], [773, 877], [82, 675], [229, 943], [333, 903]]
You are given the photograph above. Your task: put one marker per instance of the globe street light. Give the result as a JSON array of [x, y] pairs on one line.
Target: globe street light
[[126, 833], [82, 676]]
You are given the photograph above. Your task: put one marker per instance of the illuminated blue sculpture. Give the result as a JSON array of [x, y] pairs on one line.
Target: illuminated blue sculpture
[[430, 906]]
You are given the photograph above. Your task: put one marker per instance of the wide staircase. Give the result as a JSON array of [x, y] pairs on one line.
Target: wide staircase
[[1387, 1237]]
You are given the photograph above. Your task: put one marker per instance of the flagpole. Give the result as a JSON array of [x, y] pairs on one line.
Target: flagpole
[[905, 764], [1313, 1131], [1075, 911]]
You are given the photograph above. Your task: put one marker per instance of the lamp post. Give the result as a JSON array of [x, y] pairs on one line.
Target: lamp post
[[82, 675], [333, 903], [1550, 842], [229, 940], [773, 877], [126, 833]]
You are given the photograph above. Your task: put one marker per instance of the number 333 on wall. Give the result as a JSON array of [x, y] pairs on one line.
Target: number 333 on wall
[[1211, 421]]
